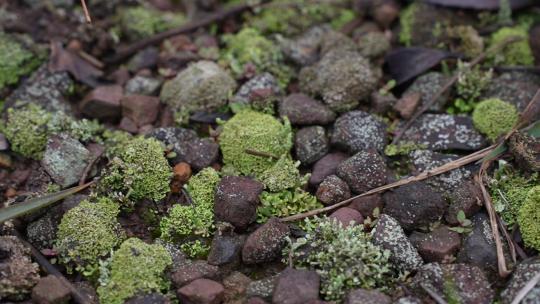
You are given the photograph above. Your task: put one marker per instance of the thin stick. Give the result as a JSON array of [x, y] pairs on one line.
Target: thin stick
[[86, 12], [89, 167], [424, 175], [260, 153], [433, 294], [450, 83], [526, 289]]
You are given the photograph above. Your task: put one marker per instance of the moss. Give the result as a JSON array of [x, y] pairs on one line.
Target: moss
[[140, 171], [529, 219], [344, 257], [344, 16], [249, 48], [81, 129], [139, 22], [471, 43], [15, 61], [285, 203], [403, 148], [192, 224], [115, 141], [88, 233], [517, 53], [282, 175], [136, 268], [406, 21], [470, 85], [249, 130], [494, 117]]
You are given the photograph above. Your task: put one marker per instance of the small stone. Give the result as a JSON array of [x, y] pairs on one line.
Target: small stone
[[523, 273], [526, 151], [182, 172], [357, 130], [304, 110], [365, 296], [153, 298], [467, 198], [515, 87], [201, 291], [326, 166], [128, 125], [235, 287], [348, 217], [236, 200], [409, 300], [311, 144], [415, 205], [440, 245], [5, 161], [262, 289], [407, 104], [201, 153], [333, 190], [141, 109], [250, 92], [147, 58], [142, 85], [296, 287], [363, 171], [103, 103], [382, 103], [390, 236], [42, 232], [65, 159], [304, 50], [50, 290], [374, 44], [189, 272], [226, 249], [19, 274], [265, 243], [366, 205], [427, 86]]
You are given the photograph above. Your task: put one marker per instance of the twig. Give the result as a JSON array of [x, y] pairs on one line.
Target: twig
[[50, 269], [450, 83], [260, 153], [89, 167], [433, 294], [526, 289], [91, 59], [86, 13], [424, 175]]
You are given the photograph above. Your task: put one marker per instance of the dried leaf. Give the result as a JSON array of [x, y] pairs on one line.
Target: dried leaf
[[65, 60], [405, 64], [480, 4]]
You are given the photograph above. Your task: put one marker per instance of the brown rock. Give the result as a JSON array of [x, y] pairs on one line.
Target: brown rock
[[439, 245], [365, 296], [201, 291], [382, 103], [348, 216], [235, 287], [296, 287], [304, 110], [140, 108], [187, 273], [103, 103], [385, 13], [50, 290], [363, 171], [407, 104], [366, 204], [128, 125], [182, 172], [333, 190], [326, 166], [265, 243]]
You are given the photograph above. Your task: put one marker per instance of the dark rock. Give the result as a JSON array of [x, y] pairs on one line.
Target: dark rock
[[382, 103], [142, 85], [415, 205], [103, 102], [226, 248], [50, 290], [42, 232], [189, 272], [141, 109], [296, 287], [311, 144], [385, 12], [366, 204], [304, 110], [515, 87], [128, 125], [260, 92], [439, 245], [526, 151], [523, 273], [201, 153], [65, 159], [86, 289], [262, 288], [427, 86], [365, 296], [390, 236], [326, 166], [265, 243], [467, 198], [236, 200], [201, 291], [534, 42], [444, 132], [144, 59], [304, 50], [333, 190], [407, 104], [235, 287], [348, 216], [19, 274], [153, 298], [357, 130], [363, 171]]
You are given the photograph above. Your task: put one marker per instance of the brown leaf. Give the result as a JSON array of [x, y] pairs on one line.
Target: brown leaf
[[66, 60], [480, 4]]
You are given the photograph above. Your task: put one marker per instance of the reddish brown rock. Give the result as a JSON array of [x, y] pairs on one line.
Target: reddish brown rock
[[440, 245], [296, 287], [235, 287], [348, 216], [326, 166], [366, 204], [333, 190], [128, 125], [201, 291], [265, 243], [103, 102], [140, 109], [50, 290], [363, 171], [407, 104], [365, 296], [187, 273], [304, 110]]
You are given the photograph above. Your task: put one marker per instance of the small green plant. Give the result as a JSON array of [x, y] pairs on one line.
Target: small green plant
[[282, 175], [406, 20], [529, 218], [139, 22], [517, 53], [285, 203], [494, 117], [387, 88], [471, 83], [465, 225], [15, 61], [403, 148]]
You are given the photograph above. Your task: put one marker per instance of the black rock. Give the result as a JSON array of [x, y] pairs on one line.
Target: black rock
[[311, 144]]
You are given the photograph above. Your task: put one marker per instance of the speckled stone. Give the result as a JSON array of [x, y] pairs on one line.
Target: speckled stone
[[427, 86], [263, 82], [357, 130], [142, 85], [516, 88], [333, 190], [363, 171], [304, 110], [19, 274], [365, 296], [439, 245], [265, 243], [304, 50], [311, 144], [522, 274]]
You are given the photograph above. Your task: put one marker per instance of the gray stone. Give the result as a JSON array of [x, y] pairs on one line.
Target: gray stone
[[262, 288], [19, 274], [301, 109], [522, 274], [357, 130], [42, 232], [363, 171], [142, 85], [304, 50], [311, 144], [260, 92], [515, 88], [428, 85], [226, 249]]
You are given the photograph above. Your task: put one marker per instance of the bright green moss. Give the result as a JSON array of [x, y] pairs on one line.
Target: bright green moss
[[88, 233], [285, 203], [517, 53], [249, 47], [26, 130], [115, 141], [282, 175], [494, 117], [249, 130], [403, 148], [15, 61], [345, 16], [191, 224], [81, 129], [140, 171], [136, 268], [529, 219], [344, 257], [406, 20], [139, 22]]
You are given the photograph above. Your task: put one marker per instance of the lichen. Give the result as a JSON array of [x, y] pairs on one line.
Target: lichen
[[494, 117], [406, 20], [529, 218], [191, 225], [285, 203], [139, 22], [344, 257], [517, 53], [115, 141], [136, 268], [15, 61], [249, 130], [282, 175], [87, 233], [140, 171]]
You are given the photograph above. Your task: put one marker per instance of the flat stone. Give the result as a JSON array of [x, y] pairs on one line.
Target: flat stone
[[326, 166], [140, 109], [439, 245], [50, 290], [226, 248], [296, 287], [365, 296], [348, 216], [201, 291], [311, 144], [427, 86], [363, 171], [356, 131], [189, 272], [265, 243], [333, 190], [103, 103], [301, 109]]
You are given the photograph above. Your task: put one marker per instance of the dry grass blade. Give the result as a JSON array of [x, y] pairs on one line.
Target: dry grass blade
[[526, 289], [433, 294], [86, 12], [424, 175]]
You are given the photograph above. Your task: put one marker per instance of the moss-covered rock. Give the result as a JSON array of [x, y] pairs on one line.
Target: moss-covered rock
[[285, 203], [517, 53], [136, 268], [139, 22], [282, 175], [15, 60], [494, 117], [529, 219], [88, 233]]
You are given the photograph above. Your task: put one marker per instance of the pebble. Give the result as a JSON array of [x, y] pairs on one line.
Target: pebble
[[265, 243], [301, 109], [363, 171], [311, 144], [357, 130]]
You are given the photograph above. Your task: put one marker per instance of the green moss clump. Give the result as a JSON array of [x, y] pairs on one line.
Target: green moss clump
[[115, 141], [249, 47], [344, 257], [285, 203], [282, 175], [136, 268], [26, 130], [517, 53], [249, 130], [88, 233], [191, 224], [15, 61], [406, 21], [403, 148], [494, 117], [139, 22], [529, 219], [140, 171]]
